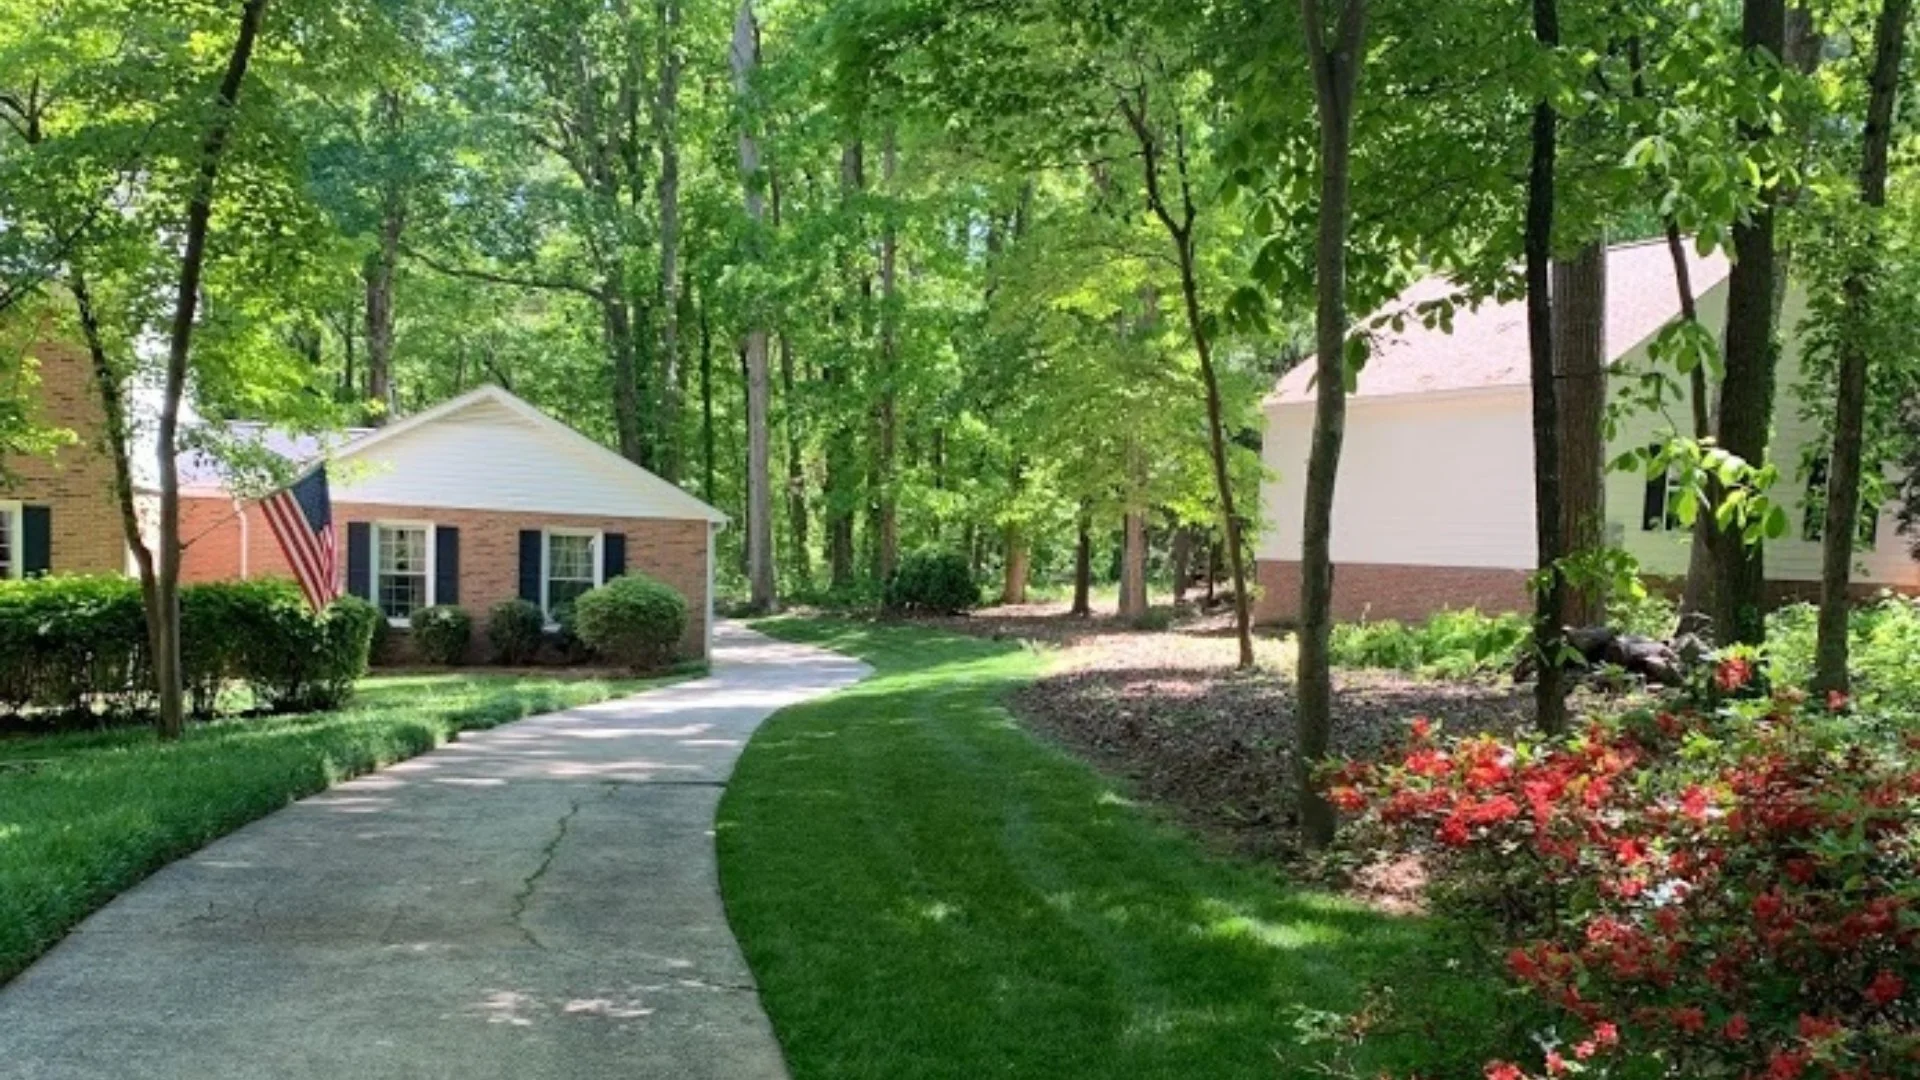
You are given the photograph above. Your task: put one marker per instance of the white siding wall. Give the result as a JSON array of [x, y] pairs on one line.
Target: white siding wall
[[1447, 480], [1425, 480], [487, 457]]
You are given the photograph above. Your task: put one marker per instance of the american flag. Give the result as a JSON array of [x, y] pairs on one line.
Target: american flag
[[301, 517]]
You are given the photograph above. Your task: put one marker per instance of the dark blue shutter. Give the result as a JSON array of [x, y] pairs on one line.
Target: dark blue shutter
[[446, 565], [530, 565], [359, 560], [613, 555], [36, 540]]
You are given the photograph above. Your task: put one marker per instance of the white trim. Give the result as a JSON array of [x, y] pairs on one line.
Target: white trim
[[373, 561], [13, 518], [599, 559], [688, 506]]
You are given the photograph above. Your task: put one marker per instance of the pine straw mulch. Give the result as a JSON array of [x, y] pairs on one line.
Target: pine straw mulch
[[1167, 712]]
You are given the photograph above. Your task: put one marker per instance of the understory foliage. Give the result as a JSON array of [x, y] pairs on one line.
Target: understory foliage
[[632, 620], [1451, 644], [1885, 650], [77, 647], [933, 582], [1720, 885]]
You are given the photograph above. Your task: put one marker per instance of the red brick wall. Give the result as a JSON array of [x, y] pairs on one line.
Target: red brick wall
[[672, 552], [76, 482], [1382, 591]]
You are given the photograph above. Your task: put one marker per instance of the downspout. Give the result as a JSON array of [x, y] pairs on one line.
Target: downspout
[[240, 511]]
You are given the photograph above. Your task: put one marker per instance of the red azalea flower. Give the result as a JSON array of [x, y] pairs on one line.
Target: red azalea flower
[[1555, 1063], [1694, 802], [1732, 674], [1885, 988], [1585, 1050], [1786, 1064], [1504, 1070], [1347, 798], [1801, 870], [1736, 1027], [1815, 1027], [1837, 701], [1689, 1018], [1421, 727], [1606, 1034]]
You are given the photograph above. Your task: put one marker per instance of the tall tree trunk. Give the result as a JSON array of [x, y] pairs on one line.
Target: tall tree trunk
[[666, 127], [1550, 705], [706, 403], [1083, 563], [1580, 356], [616, 319], [760, 568], [841, 496], [1013, 587], [1180, 225], [1182, 558], [796, 472], [1747, 391], [887, 540], [1696, 597], [1844, 464], [162, 587], [379, 270], [1134, 601], [1336, 71]]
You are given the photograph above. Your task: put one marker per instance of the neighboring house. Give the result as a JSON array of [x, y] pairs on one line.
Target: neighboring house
[[478, 500], [1433, 507], [57, 513]]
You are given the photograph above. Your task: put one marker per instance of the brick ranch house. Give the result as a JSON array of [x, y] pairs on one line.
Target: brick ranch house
[[1433, 507], [481, 499]]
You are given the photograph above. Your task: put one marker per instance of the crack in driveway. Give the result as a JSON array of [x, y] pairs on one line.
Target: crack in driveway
[[530, 884]]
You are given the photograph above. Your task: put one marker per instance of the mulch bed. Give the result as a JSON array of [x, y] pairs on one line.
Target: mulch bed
[[1168, 712]]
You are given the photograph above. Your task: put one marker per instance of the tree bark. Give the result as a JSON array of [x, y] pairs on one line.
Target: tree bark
[[1844, 461], [1083, 563], [887, 540], [1336, 69], [1747, 391], [1013, 587], [1550, 706], [760, 568], [163, 590], [796, 472], [1180, 228], [1580, 354], [706, 403], [379, 270], [1133, 566], [666, 125], [1182, 559], [841, 470]]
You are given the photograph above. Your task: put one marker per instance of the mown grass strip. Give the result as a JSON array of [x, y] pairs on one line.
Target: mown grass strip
[[84, 816], [926, 890]]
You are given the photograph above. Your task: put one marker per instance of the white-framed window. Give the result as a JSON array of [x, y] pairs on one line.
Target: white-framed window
[[402, 569], [11, 554], [570, 564], [1660, 509]]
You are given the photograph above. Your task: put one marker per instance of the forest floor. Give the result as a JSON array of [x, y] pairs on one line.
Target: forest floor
[[1167, 711]]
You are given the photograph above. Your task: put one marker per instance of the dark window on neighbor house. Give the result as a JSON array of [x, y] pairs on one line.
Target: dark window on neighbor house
[[9, 541], [572, 567], [1813, 514], [1659, 510], [402, 569]]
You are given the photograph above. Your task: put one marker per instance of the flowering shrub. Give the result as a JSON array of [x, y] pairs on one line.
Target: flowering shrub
[[1719, 887]]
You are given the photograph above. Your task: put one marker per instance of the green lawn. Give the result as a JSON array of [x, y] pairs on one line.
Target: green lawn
[[84, 816], [925, 890]]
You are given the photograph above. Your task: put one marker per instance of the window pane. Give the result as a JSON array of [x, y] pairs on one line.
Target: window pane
[[401, 561], [570, 564]]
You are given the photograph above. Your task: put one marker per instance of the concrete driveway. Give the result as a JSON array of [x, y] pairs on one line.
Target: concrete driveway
[[535, 901]]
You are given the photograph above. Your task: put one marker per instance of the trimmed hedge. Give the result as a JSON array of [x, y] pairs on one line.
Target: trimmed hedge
[[77, 646], [933, 582], [632, 620], [442, 634]]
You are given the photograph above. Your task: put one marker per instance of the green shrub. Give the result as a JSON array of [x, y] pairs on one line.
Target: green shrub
[[515, 629], [1883, 642], [442, 634], [1451, 644], [933, 582], [632, 620], [77, 646], [1650, 615]]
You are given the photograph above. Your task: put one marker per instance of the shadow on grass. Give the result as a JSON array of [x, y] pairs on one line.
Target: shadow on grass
[[924, 889]]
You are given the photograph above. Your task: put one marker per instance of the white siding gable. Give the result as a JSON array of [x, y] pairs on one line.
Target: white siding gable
[[487, 451]]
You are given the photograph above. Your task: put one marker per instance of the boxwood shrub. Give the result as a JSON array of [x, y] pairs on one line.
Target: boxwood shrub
[[632, 620], [515, 630], [933, 582], [77, 646], [442, 634]]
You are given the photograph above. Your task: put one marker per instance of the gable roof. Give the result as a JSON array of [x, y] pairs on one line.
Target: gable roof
[[573, 474], [1488, 346], [616, 475]]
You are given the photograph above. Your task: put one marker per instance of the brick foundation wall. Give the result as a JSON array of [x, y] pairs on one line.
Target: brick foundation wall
[[671, 552], [76, 482], [1383, 591]]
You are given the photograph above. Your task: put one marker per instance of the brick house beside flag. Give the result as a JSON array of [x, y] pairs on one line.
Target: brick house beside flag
[[480, 499]]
